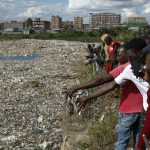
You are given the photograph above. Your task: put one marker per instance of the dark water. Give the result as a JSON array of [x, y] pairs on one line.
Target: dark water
[[28, 57]]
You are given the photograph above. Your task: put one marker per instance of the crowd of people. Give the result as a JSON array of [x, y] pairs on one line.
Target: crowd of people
[[127, 65]]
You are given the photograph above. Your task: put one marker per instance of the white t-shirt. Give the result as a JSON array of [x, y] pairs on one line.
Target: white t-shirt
[[142, 85]]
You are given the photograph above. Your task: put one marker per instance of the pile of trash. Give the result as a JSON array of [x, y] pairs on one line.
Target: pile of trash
[[31, 91]]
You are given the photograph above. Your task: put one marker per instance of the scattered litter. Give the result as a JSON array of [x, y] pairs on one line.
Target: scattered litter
[[31, 91]]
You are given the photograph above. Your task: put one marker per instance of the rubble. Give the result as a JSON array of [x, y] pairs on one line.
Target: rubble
[[31, 91]]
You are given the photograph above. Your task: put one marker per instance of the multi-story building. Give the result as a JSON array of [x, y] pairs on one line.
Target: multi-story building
[[136, 21], [86, 27], [78, 23], [67, 25], [38, 24], [56, 23], [1, 26], [14, 24], [104, 20]]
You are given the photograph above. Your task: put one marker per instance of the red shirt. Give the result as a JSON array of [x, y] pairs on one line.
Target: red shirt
[[146, 128], [130, 99], [112, 47]]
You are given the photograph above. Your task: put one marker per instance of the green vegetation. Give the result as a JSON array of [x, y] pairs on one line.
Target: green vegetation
[[119, 33], [102, 133], [28, 22], [37, 147], [101, 114]]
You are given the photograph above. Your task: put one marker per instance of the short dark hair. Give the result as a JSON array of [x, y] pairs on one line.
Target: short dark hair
[[146, 38], [135, 45], [89, 46], [108, 40]]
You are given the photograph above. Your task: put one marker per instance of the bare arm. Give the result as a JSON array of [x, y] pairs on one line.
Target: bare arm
[[105, 89], [95, 82], [90, 84]]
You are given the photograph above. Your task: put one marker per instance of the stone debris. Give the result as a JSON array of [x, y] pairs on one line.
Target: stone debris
[[31, 97]]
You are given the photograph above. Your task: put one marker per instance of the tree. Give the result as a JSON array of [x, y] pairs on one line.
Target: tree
[[1, 26], [28, 23]]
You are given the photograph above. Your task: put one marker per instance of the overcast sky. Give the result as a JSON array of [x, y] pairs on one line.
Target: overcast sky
[[67, 9]]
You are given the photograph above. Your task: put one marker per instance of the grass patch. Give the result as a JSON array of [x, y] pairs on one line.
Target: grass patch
[[101, 113], [102, 134], [120, 34]]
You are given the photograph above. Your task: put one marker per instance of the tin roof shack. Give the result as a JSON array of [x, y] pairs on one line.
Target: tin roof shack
[[13, 27], [13, 31], [28, 31]]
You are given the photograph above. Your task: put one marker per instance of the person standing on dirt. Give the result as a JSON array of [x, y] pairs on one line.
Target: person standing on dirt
[[90, 54], [131, 102], [129, 110], [110, 47], [145, 134], [122, 59]]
